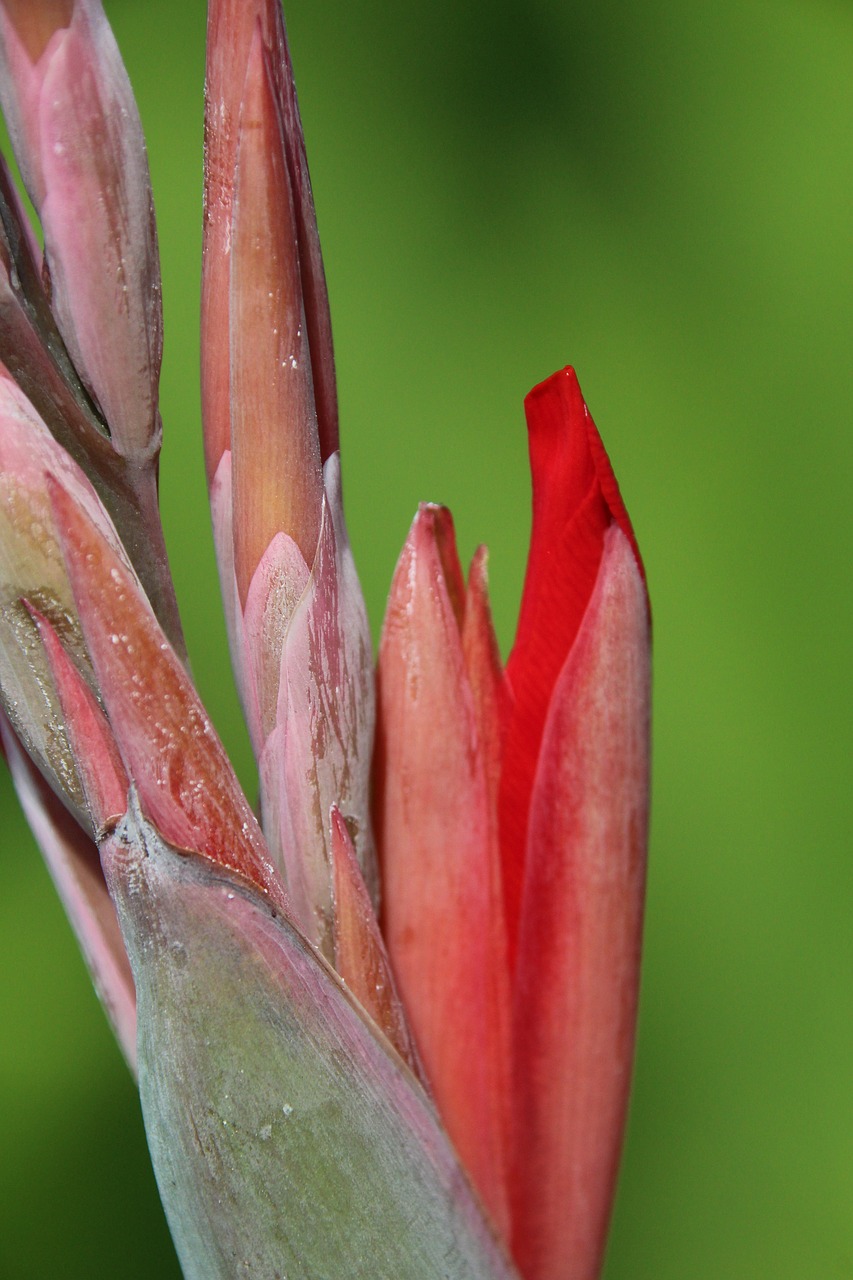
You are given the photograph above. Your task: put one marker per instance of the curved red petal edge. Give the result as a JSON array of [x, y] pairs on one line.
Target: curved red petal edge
[[575, 500]]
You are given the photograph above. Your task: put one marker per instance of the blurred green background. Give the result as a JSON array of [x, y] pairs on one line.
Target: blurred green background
[[660, 194]]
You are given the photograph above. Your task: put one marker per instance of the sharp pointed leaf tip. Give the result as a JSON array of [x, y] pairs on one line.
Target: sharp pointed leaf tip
[[275, 591], [168, 745], [95, 751], [575, 500], [439, 859]]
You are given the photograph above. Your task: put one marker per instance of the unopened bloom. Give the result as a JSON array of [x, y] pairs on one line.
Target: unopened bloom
[[81, 327], [512, 815], [76, 130], [298, 628]]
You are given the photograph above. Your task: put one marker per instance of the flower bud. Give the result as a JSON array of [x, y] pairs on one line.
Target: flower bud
[[78, 139]]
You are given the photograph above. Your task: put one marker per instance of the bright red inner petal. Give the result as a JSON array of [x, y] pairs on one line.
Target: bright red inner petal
[[575, 499]]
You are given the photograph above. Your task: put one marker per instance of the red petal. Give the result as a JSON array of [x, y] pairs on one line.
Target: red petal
[[439, 857], [575, 500], [579, 946], [185, 781]]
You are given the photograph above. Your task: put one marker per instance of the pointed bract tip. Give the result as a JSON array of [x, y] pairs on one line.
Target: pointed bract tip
[[554, 408], [433, 535], [438, 851]]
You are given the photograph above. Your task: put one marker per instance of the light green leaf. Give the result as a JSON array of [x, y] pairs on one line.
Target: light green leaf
[[288, 1139]]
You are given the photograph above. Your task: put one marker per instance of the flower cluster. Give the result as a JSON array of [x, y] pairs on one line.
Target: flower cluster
[[385, 1028]]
